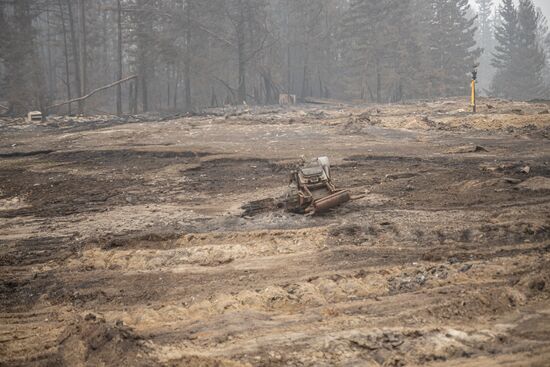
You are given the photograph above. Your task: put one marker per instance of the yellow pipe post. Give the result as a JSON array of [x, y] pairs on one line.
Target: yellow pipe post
[[474, 95], [473, 99]]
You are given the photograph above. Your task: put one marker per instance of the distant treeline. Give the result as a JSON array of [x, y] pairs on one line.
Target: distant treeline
[[191, 54]]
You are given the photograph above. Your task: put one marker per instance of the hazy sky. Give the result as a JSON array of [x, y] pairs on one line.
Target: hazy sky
[[545, 6]]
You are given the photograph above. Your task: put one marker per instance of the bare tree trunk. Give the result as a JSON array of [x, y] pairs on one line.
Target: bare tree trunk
[[168, 86], [305, 76], [17, 59], [136, 97], [75, 55], [119, 60], [241, 45], [144, 30], [320, 83], [288, 50], [51, 69], [187, 59], [176, 86], [289, 71], [66, 54], [131, 97], [378, 83], [213, 99], [83, 51]]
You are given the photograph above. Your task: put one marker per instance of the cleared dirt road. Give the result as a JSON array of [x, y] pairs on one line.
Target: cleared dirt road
[[163, 242]]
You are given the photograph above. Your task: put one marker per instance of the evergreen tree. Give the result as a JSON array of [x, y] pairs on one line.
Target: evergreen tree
[[383, 50], [485, 9], [452, 46], [519, 57], [506, 32], [528, 59], [485, 41]]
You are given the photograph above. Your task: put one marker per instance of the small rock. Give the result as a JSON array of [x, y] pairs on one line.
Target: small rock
[[400, 175], [90, 317], [526, 170], [537, 284], [465, 268], [420, 279]]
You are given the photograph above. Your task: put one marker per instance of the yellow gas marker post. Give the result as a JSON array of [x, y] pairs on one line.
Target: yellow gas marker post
[[473, 100]]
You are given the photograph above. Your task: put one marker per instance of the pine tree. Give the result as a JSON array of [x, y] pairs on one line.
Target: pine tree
[[527, 59], [452, 45], [505, 34], [485, 41], [383, 50], [485, 9], [519, 57]]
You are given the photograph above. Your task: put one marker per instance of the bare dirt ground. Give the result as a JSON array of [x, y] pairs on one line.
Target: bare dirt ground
[[135, 242]]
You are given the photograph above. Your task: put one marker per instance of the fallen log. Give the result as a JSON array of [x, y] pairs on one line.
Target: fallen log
[[321, 101], [92, 92]]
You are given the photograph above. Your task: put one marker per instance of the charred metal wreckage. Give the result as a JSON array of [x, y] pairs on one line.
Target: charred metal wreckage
[[311, 190]]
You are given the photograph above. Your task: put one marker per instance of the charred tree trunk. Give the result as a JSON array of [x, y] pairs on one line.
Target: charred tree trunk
[[288, 71], [23, 72], [119, 59], [242, 77], [241, 45], [176, 87], [66, 55], [168, 86], [144, 30], [83, 52], [76, 63], [378, 84], [305, 75], [187, 58], [51, 69]]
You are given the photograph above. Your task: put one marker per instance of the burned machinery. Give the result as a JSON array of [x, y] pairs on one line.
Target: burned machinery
[[311, 190]]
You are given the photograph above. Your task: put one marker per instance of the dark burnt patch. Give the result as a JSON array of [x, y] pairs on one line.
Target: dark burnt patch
[[221, 176]]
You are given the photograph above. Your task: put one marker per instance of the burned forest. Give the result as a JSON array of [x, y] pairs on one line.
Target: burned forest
[[274, 183]]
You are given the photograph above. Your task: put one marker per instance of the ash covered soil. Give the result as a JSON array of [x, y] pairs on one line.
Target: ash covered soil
[[160, 241]]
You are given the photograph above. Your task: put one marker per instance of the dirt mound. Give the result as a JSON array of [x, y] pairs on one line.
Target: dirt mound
[[536, 184], [199, 361], [359, 124], [355, 126], [466, 149], [92, 341]]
